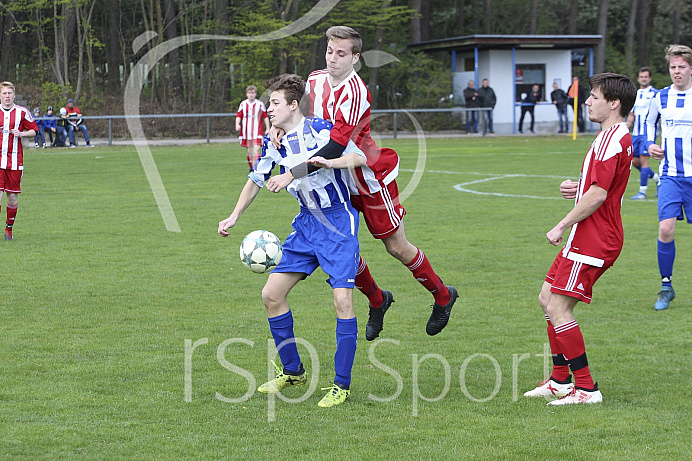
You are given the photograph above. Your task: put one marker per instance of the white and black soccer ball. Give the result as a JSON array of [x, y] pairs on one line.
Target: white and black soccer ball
[[261, 251]]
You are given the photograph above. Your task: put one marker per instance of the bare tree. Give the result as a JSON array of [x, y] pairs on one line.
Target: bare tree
[[173, 57], [631, 29], [487, 17], [599, 65], [461, 18], [573, 17], [415, 5], [533, 18], [113, 47]]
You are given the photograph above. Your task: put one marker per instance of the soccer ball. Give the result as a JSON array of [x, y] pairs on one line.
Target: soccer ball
[[261, 251]]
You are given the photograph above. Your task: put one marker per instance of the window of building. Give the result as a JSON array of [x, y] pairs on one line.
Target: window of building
[[527, 76]]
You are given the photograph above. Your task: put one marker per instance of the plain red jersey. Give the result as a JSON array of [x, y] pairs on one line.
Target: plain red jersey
[[347, 107], [251, 115], [16, 118], [597, 240]]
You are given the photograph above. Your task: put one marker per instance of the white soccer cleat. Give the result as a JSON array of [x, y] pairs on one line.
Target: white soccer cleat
[[579, 396], [550, 388]]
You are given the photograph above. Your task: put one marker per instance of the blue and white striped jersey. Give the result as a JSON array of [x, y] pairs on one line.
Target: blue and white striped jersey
[[674, 109], [321, 189], [641, 108]]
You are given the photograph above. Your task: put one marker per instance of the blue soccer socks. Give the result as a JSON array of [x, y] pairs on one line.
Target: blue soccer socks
[[346, 337], [281, 327]]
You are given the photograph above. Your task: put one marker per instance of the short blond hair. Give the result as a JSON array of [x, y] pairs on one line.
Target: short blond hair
[[346, 33], [682, 51], [7, 85]]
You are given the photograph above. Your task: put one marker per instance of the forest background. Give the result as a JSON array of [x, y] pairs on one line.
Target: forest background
[[83, 49]]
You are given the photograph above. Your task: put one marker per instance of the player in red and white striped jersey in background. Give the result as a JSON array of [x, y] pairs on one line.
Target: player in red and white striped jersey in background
[[251, 121], [16, 123], [339, 95], [594, 242]]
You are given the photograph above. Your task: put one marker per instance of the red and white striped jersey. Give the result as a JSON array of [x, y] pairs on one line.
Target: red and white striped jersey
[[347, 107], [16, 118], [251, 117], [597, 240]]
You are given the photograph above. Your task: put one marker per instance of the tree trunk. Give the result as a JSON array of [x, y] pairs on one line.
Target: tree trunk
[[461, 18], [173, 56], [476, 17], [629, 44], [573, 17], [487, 17], [533, 18], [599, 65], [415, 21], [425, 21], [642, 36], [113, 45]]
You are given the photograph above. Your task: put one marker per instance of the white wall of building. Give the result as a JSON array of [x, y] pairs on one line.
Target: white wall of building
[[496, 66]]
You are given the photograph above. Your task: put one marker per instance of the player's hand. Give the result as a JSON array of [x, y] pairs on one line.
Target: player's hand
[[554, 236], [278, 182], [275, 134], [237, 128], [226, 224], [320, 162], [17, 133], [656, 152], [568, 188]]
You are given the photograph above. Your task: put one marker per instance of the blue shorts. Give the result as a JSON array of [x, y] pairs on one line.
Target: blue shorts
[[674, 196], [639, 146], [326, 238]]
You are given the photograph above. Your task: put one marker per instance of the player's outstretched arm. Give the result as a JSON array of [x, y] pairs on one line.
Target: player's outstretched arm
[[351, 160], [248, 194], [590, 202]]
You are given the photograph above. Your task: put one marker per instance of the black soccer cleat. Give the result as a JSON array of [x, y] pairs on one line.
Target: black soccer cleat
[[374, 326], [440, 314]]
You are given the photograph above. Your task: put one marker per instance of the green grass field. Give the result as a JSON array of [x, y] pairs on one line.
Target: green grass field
[[101, 306]]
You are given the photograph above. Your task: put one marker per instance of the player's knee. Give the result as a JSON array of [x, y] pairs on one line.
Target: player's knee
[[271, 298]]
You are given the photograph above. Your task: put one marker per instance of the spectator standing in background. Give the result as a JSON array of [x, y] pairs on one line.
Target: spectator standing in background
[[560, 99], [487, 99], [472, 102]]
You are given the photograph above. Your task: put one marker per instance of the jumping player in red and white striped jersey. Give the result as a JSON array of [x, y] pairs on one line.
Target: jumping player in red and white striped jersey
[[252, 114], [339, 95], [16, 123], [594, 242]]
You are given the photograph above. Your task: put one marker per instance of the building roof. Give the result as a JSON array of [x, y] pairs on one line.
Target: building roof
[[495, 42]]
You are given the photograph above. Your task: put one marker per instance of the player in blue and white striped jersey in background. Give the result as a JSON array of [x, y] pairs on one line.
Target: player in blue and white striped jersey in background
[[673, 107], [638, 119], [325, 234]]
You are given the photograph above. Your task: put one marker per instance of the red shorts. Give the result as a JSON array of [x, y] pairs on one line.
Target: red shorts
[[572, 278], [381, 210], [10, 181], [251, 142]]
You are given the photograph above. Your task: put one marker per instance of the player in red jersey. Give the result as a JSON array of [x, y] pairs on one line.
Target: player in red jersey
[[339, 95], [16, 123], [248, 122], [594, 242]]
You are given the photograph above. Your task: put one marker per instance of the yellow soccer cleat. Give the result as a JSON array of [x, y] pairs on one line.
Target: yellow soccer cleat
[[335, 396], [283, 380]]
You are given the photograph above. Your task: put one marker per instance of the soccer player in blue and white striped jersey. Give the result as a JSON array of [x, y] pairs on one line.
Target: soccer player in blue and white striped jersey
[[638, 118], [673, 106], [325, 234]]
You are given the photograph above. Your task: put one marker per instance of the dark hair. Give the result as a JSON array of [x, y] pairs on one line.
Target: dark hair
[[616, 87], [345, 32], [644, 69], [292, 86]]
